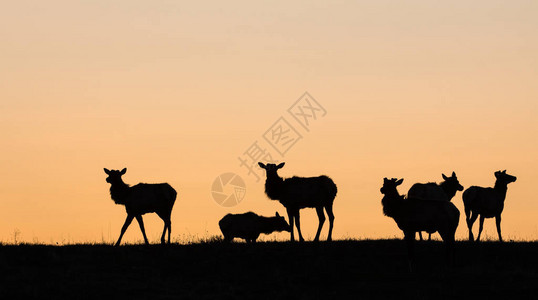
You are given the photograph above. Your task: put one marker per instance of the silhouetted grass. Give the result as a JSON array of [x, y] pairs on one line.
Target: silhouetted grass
[[215, 270]]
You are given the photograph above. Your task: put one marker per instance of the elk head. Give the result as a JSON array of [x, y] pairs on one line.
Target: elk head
[[114, 176], [504, 177], [452, 181]]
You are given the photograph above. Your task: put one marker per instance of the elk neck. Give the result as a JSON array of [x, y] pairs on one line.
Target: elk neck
[[119, 191], [392, 203], [266, 225], [450, 192], [501, 188], [273, 185]]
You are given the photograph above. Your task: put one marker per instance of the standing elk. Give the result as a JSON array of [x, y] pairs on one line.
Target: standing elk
[[140, 199], [443, 191], [486, 202], [297, 193], [412, 215]]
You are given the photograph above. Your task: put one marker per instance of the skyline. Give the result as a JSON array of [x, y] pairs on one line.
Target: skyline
[[175, 92]]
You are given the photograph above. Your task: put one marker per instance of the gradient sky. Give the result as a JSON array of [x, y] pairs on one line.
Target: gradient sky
[[176, 90]]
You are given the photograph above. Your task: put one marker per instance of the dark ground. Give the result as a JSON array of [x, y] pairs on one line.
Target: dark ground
[[343, 269]]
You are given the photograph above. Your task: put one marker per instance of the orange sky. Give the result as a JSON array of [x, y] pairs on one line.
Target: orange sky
[[175, 91]]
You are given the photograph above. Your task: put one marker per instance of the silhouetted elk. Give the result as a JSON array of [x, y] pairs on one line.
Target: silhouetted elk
[[412, 215], [444, 191], [486, 202], [249, 226], [300, 192], [141, 199]]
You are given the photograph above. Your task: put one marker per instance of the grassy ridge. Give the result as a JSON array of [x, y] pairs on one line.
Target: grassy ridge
[[376, 268]]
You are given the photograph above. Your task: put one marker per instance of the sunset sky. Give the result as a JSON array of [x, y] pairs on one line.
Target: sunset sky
[[176, 91]]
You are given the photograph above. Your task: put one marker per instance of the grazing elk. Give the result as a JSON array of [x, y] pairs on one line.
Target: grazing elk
[[141, 199], [412, 215], [486, 202], [300, 192], [443, 191], [249, 226]]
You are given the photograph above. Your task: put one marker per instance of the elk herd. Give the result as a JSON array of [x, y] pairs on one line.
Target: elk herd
[[427, 207]]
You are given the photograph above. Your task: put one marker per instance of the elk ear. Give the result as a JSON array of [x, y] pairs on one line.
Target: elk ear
[[107, 171], [262, 165], [280, 165], [504, 172], [453, 174], [123, 171], [277, 214], [497, 174], [444, 177], [398, 182]]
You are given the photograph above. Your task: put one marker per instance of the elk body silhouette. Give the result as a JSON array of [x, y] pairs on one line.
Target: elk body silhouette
[[141, 199], [444, 191], [249, 226], [486, 202], [301, 192], [412, 215]]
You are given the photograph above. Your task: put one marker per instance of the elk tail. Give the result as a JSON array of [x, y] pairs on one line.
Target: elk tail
[[171, 194]]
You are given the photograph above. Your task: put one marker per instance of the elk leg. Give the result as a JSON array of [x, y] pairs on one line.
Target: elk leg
[[480, 228], [498, 223], [167, 225], [141, 223], [330, 214], [298, 225], [128, 221], [420, 235], [169, 230], [321, 217], [470, 223], [290, 217], [429, 236]]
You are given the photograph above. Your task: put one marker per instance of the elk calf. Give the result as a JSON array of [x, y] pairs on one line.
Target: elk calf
[[249, 226]]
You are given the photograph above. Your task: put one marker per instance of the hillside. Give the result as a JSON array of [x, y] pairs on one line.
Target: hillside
[[272, 270]]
